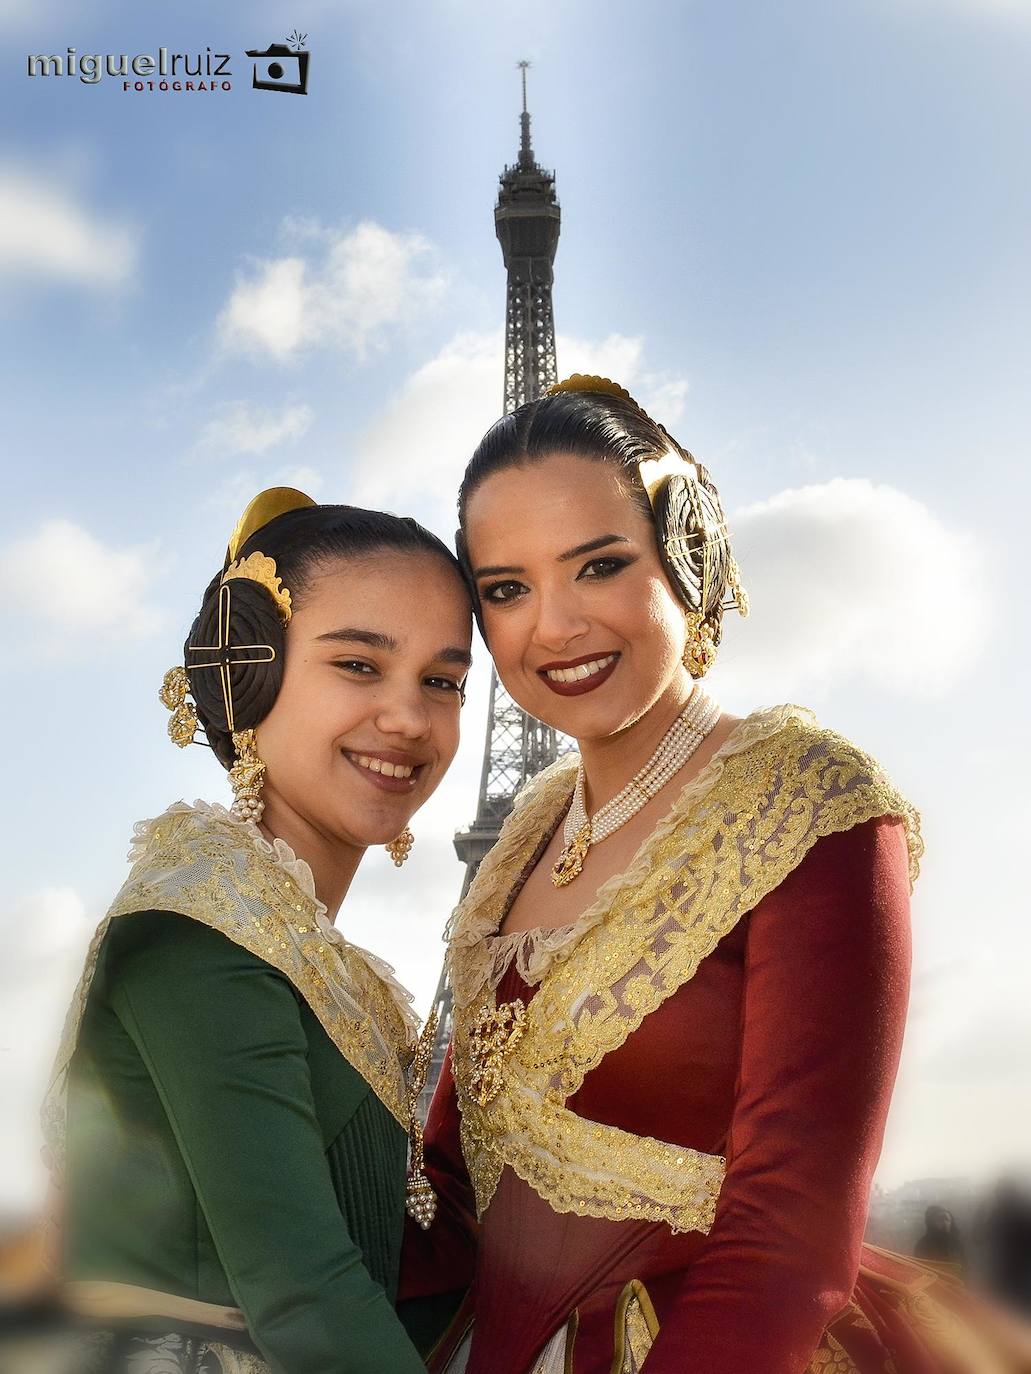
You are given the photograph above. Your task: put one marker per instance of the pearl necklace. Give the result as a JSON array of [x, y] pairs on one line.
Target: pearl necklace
[[677, 745]]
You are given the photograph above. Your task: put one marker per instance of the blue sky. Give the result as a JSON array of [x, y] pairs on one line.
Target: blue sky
[[798, 232]]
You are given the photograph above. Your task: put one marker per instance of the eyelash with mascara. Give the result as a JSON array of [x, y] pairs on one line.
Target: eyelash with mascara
[[615, 565]]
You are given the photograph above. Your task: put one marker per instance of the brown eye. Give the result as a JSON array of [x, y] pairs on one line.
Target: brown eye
[[355, 666], [603, 567], [497, 593]]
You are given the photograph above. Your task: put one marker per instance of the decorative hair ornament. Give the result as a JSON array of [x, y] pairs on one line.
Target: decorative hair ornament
[[653, 471], [654, 474], [258, 567], [264, 507], [224, 655], [172, 694], [582, 381], [656, 471]]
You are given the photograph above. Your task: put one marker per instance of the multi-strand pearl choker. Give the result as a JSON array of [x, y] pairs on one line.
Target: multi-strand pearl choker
[[675, 748]]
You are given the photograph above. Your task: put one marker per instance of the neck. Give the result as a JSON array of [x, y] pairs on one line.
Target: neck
[[611, 761], [333, 862]]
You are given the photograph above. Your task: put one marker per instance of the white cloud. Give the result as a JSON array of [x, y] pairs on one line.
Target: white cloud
[[241, 428], [347, 291], [64, 577], [46, 232], [853, 581], [414, 453]]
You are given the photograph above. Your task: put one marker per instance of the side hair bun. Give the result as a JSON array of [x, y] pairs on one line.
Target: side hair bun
[[254, 678]]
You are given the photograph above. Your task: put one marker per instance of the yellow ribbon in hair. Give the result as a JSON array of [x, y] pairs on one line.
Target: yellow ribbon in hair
[[265, 507], [258, 567]]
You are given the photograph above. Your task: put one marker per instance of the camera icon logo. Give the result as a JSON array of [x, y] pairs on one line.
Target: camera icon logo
[[279, 68]]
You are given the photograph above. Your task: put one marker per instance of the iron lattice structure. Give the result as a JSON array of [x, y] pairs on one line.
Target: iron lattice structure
[[527, 220]]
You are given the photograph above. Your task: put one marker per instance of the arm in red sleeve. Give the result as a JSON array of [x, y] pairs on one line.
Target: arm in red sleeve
[[437, 1265], [826, 986]]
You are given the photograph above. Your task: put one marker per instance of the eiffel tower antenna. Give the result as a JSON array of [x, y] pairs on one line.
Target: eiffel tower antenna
[[527, 220]]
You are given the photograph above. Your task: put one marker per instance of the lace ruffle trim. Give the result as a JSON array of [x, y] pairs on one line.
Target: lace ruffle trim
[[487, 955], [277, 851]]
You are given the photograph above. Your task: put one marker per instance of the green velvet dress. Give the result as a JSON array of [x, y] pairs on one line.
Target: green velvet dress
[[234, 1184]]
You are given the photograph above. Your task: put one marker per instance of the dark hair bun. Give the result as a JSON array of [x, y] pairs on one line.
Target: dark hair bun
[[254, 620], [692, 539]]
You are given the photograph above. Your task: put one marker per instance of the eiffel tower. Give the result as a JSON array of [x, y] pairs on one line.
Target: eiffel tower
[[526, 220]]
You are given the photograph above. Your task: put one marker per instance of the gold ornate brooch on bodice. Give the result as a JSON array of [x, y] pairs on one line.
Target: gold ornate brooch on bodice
[[493, 1035]]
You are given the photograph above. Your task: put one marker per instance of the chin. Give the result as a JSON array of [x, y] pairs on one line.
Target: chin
[[582, 718]]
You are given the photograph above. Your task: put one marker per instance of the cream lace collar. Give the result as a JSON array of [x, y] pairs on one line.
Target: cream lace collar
[[278, 852], [203, 862], [487, 955]]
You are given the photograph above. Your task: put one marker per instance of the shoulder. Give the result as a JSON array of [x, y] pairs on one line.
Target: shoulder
[[840, 786], [171, 944], [790, 739], [814, 782]]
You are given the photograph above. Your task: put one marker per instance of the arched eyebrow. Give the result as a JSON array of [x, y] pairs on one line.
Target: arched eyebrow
[[592, 546], [374, 639]]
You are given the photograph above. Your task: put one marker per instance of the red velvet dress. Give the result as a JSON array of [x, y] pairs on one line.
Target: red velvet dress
[[778, 1054]]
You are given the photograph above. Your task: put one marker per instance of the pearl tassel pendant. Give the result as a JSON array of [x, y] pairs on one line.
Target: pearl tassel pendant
[[680, 741], [420, 1199]]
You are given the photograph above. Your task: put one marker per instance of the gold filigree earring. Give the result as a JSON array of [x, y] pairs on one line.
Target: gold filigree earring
[[738, 595], [700, 647], [246, 776], [400, 848], [172, 694]]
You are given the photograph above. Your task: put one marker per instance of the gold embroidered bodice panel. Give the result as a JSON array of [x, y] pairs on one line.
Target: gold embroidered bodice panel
[[738, 828], [203, 863]]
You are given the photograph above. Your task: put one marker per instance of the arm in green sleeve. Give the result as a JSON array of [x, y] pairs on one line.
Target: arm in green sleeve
[[221, 1035]]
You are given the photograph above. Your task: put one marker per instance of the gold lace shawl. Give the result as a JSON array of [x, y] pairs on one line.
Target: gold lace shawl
[[736, 831], [203, 863]]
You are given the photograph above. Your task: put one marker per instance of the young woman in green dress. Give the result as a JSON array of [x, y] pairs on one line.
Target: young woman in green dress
[[235, 1078]]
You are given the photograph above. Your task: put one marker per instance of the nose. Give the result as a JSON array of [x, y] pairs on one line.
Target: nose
[[560, 620], [402, 712]]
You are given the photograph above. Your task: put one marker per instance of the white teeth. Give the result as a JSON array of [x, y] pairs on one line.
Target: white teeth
[[581, 671], [389, 770]]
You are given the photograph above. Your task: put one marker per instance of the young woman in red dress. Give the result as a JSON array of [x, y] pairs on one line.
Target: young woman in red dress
[[680, 977]]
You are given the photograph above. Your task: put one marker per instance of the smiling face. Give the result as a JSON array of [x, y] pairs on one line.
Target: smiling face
[[585, 629], [366, 720]]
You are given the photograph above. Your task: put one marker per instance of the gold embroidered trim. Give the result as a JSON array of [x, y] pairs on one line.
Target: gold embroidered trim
[[209, 867], [636, 1329], [831, 1358], [737, 831], [583, 1166]]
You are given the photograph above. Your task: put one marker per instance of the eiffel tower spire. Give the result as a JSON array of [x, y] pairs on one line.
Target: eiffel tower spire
[[526, 160], [527, 220]]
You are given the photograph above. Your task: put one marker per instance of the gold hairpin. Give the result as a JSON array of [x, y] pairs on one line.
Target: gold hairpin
[[226, 656]]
